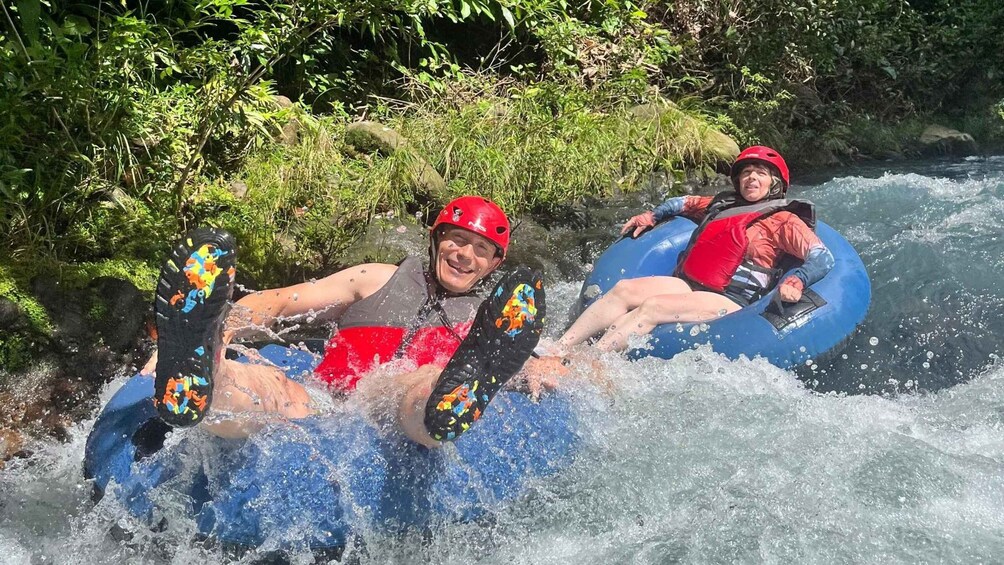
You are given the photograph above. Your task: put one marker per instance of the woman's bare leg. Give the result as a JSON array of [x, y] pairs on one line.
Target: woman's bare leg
[[624, 297], [667, 308]]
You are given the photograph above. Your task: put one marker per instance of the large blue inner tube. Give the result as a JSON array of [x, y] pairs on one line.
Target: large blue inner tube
[[810, 330], [312, 483]]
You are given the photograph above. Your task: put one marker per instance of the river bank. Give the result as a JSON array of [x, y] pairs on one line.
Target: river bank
[[71, 327]]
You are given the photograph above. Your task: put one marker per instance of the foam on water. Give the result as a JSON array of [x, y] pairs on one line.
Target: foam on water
[[701, 459], [934, 249], [698, 458]]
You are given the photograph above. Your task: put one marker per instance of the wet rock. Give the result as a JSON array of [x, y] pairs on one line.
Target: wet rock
[[33, 411], [12, 317], [11, 443], [940, 140], [65, 394], [118, 312], [71, 327], [94, 365], [389, 240], [706, 185], [531, 246], [57, 425], [109, 310]]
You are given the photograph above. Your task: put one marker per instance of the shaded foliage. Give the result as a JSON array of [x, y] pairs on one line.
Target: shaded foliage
[[117, 116]]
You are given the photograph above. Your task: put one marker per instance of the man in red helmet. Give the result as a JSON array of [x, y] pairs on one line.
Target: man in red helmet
[[734, 257], [459, 342]]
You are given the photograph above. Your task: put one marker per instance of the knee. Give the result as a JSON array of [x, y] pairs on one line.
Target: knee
[[285, 396], [624, 291], [653, 311]]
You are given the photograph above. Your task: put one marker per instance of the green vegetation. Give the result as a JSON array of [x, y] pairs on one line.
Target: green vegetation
[[20, 342], [535, 147], [124, 123]]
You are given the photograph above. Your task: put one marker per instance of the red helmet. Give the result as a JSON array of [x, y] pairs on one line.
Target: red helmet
[[760, 154], [479, 215]]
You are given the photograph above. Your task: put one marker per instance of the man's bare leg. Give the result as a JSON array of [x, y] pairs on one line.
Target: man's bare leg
[[192, 377], [447, 402], [246, 397], [411, 412]]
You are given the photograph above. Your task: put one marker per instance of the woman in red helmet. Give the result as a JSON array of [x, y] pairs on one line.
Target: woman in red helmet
[[464, 347], [735, 256]]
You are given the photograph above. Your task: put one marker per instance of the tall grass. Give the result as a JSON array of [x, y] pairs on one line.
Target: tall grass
[[538, 147]]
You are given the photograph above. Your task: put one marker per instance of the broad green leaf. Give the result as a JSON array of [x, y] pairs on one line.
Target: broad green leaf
[[508, 17], [30, 12]]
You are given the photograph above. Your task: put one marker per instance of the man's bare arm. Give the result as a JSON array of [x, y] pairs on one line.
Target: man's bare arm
[[324, 299]]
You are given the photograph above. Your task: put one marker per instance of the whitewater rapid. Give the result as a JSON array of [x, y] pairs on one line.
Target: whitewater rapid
[[703, 460]]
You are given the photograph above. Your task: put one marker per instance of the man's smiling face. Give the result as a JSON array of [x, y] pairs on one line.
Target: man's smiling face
[[463, 258]]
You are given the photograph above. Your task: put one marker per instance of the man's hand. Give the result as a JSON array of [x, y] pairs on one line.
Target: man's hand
[[542, 374], [639, 223]]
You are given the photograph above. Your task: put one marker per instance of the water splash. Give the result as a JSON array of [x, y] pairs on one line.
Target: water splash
[[700, 459]]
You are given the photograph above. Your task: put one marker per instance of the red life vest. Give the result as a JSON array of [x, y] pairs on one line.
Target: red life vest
[[403, 319], [718, 246]]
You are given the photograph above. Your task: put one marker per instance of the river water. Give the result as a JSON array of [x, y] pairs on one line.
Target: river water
[[893, 453]]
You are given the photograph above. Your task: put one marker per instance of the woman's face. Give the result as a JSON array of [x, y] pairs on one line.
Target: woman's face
[[754, 182], [463, 258]]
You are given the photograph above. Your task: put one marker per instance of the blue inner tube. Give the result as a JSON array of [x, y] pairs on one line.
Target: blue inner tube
[[312, 483], [812, 329]]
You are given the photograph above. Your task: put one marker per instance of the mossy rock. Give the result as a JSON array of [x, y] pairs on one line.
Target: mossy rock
[[708, 145], [368, 137], [941, 140], [422, 177], [721, 147], [12, 317], [425, 179], [652, 111], [18, 349], [117, 312]]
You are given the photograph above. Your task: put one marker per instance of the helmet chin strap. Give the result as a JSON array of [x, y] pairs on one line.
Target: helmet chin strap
[[776, 189], [433, 261]]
